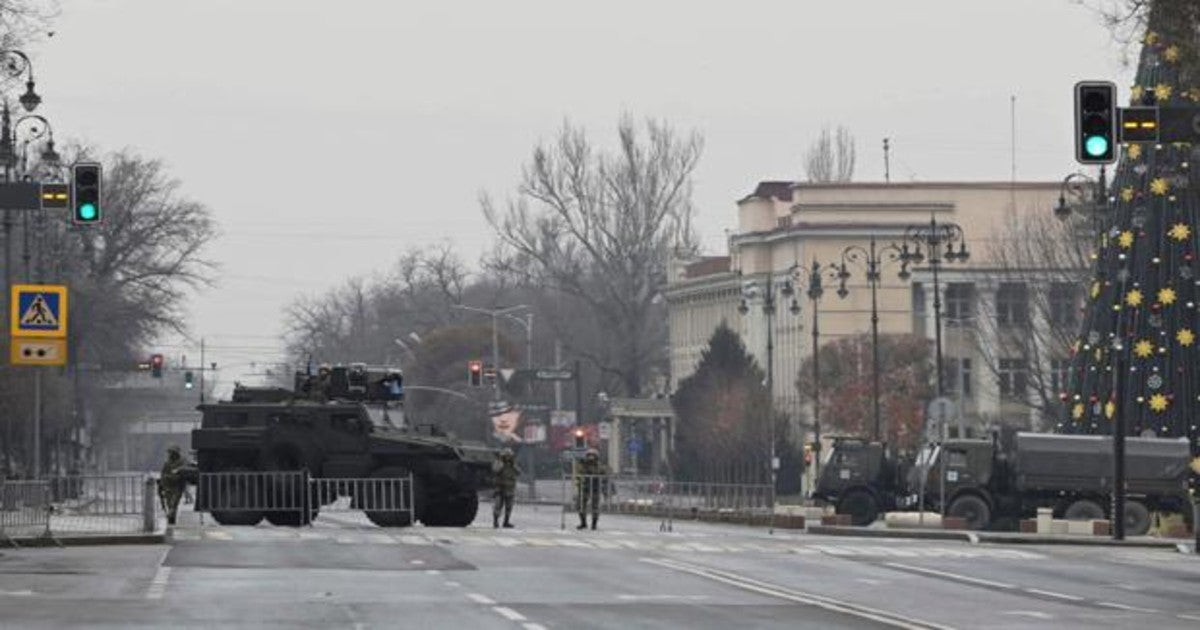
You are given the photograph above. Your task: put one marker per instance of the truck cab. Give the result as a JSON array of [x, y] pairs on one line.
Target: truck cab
[[859, 479], [965, 472]]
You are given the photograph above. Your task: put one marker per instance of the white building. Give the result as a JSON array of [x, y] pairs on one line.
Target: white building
[[784, 223]]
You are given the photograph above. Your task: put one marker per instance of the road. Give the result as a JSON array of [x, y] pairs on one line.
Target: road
[[344, 573]]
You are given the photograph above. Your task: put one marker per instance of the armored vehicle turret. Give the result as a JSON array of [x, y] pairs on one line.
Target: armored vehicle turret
[[345, 423]]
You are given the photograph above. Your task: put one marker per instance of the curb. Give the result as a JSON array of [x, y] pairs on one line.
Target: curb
[[85, 541], [989, 537]]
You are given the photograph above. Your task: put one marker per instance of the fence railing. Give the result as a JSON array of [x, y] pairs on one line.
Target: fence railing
[[77, 505], [669, 500], [296, 498]]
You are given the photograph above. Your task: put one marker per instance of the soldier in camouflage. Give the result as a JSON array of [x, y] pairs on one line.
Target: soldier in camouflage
[[591, 481], [506, 472], [172, 482]]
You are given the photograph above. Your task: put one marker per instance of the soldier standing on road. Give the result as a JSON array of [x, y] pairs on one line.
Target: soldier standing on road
[[506, 473], [173, 482], [591, 479]]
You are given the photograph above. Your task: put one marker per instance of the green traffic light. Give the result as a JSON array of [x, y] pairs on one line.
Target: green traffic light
[[87, 212], [1096, 146]]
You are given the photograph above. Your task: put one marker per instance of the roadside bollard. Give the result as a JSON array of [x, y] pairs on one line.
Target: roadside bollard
[[148, 493], [1045, 520]]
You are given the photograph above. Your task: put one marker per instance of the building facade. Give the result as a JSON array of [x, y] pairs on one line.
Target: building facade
[[783, 224]]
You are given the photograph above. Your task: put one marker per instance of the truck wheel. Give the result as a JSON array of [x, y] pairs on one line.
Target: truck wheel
[[973, 509], [861, 507], [1137, 518], [387, 499], [457, 512], [1084, 510], [235, 493]]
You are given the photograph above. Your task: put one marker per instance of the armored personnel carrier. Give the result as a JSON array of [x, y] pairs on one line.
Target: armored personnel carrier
[[348, 423]]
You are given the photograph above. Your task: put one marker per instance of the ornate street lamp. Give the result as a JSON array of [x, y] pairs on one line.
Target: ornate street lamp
[[933, 236], [871, 260]]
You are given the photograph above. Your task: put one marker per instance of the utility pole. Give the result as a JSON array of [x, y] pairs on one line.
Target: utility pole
[[495, 314]]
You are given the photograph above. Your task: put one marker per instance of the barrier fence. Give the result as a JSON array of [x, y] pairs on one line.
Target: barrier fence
[[296, 498], [669, 500], [77, 505]]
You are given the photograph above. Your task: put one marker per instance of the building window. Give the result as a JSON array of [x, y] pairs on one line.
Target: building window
[[1058, 374], [1064, 299], [958, 376], [1013, 377], [918, 298], [1012, 304], [960, 302]]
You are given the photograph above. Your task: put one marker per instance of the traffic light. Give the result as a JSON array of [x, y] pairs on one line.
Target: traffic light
[[188, 381], [86, 208], [580, 439], [1095, 122], [156, 365], [475, 373]]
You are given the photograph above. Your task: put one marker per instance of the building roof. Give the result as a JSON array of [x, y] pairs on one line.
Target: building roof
[[706, 266], [780, 190]]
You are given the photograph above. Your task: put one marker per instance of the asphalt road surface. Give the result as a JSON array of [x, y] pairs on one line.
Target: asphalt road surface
[[344, 573]]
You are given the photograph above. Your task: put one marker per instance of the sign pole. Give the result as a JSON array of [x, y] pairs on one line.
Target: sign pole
[[37, 423]]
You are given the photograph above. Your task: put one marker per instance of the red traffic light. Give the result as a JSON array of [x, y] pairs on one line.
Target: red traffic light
[[475, 366], [156, 360]]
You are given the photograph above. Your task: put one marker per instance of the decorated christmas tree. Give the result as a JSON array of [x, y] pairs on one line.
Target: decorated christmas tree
[[1138, 353]]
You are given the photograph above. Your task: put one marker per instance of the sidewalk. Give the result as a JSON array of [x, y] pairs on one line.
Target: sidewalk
[[1006, 538]]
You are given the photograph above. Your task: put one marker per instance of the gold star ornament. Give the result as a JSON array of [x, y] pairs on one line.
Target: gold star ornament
[[1110, 409], [1151, 38], [1127, 194], [1159, 186], [1167, 296], [1185, 337], [1158, 403], [1180, 231], [1136, 92], [1134, 298], [1095, 289], [1162, 91], [1143, 348], [1125, 240], [1077, 411], [1133, 151], [1171, 54]]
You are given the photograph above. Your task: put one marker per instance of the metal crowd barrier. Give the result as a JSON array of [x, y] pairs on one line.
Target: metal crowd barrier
[[99, 504], [251, 493], [25, 509], [750, 504]]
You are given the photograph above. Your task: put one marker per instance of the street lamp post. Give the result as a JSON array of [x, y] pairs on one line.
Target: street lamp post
[[871, 259], [494, 313], [933, 236], [749, 292], [814, 293]]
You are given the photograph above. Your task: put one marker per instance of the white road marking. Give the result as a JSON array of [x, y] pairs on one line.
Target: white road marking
[[416, 562], [828, 603], [21, 593], [1126, 607], [218, 534], [480, 599], [534, 626], [1030, 613], [508, 613], [1070, 598], [642, 598], [452, 584], [158, 585], [1188, 617], [432, 572], [952, 576]]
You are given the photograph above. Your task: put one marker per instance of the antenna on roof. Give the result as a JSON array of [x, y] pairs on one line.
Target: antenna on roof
[[887, 167]]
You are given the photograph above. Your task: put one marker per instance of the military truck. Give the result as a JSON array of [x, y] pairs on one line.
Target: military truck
[[346, 424], [986, 483]]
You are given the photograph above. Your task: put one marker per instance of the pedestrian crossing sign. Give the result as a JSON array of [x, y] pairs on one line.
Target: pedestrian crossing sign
[[38, 310]]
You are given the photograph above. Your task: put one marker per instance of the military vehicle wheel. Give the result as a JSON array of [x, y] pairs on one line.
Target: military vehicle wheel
[[458, 512], [393, 517], [973, 509], [1137, 518], [1084, 510], [235, 492], [860, 505]]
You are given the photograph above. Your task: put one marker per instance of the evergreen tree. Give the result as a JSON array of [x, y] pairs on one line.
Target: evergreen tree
[[1137, 351], [724, 412]]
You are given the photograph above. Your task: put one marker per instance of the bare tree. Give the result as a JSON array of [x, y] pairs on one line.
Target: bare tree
[[1042, 266], [598, 227], [831, 157], [1128, 20]]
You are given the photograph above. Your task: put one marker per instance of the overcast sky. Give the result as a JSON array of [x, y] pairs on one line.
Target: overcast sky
[[328, 136]]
